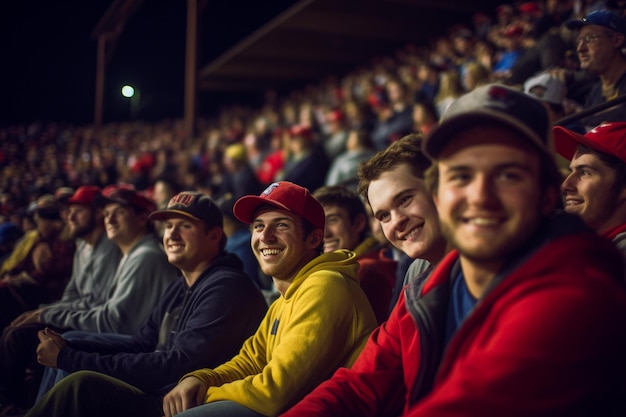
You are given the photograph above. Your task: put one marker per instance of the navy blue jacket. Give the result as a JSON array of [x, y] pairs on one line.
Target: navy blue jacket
[[219, 312]]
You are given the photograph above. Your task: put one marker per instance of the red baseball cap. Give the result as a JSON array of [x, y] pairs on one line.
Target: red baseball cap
[[609, 138], [84, 195], [124, 194], [301, 131], [284, 195]]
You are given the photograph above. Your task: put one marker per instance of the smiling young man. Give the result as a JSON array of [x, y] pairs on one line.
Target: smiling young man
[[595, 189], [196, 323], [347, 227], [525, 317], [320, 321], [392, 182]]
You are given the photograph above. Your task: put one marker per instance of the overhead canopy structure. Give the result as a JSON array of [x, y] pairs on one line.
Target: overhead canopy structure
[[316, 38], [305, 42]]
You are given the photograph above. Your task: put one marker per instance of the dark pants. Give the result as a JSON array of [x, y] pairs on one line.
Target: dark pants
[[16, 299], [18, 347], [88, 393]]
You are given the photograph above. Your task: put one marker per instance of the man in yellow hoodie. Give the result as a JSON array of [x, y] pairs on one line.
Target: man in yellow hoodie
[[319, 323]]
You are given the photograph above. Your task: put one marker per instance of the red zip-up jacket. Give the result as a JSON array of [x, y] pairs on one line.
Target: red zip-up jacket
[[547, 339]]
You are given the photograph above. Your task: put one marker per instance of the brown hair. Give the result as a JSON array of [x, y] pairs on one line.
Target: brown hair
[[406, 150]]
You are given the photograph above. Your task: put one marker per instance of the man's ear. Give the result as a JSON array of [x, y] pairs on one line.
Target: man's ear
[[550, 200], [360, 222], [216, 233], [622, 195], [315, 238], [618, 40]]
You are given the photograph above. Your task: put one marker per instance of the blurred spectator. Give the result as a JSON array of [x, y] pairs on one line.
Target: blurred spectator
[[394, 114], [238, 178], [463, 42], [475, 75], [10, 233], [94, 263], [163, 190], [335, 140], [427, 82], [450, 89], [551, 91], [544, 51], [274, 161], [424, 116], [511, 50], [39, 267], [307, 164], [343, 170]]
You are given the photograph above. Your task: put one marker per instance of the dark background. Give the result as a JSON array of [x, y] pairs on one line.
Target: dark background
[[48, 57]]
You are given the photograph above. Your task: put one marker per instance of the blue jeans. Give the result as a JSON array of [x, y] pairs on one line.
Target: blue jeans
[[53, 375], [220, 409]]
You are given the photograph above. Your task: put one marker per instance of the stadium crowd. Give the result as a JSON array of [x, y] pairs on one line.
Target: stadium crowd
[[347, 141]]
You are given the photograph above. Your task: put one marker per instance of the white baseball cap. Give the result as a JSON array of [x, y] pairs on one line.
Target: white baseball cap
[[553, 90]]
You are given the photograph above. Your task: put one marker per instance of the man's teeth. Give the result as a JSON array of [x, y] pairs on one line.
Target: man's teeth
[[483, 222], [270, 251], [413, 232]]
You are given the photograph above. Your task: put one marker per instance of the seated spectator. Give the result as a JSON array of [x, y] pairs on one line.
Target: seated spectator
[[450, 88], [550, 90], [274, 160], [511, 49], [394, 114], [547, 339], [10, 233], [601, 39], [195, 324], [307, 164], [143, 272], [320, 322], [595, 189], [474, 75], [93, 268], [239, 178], [347, 227], [335, 140], [39, 267], [424, 117], [343, 170], [392, 182]]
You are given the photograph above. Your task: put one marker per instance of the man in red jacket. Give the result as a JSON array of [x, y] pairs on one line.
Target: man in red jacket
[[525, 317]]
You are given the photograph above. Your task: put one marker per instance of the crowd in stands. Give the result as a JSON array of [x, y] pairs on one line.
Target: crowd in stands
[[352, 141], [374, 105]]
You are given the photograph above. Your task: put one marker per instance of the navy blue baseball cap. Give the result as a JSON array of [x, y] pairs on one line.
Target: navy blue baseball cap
[[604, 18]]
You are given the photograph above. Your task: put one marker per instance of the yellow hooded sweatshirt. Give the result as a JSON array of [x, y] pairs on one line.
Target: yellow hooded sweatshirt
[[321, 324]]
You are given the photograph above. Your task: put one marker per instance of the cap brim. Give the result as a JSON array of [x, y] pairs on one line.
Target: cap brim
[[81, 202], [102, 201], [566, 142], [245, 208], [167, 214], [441, 135], [575, 24]]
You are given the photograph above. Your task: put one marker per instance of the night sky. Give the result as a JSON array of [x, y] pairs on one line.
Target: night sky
[[48, 56]]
